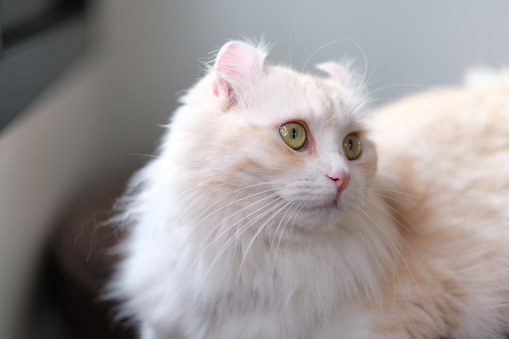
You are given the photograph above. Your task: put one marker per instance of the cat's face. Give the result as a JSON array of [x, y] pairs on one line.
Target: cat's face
[[274, 141]]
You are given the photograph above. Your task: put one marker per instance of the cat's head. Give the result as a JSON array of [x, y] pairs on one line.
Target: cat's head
[[271, 142]]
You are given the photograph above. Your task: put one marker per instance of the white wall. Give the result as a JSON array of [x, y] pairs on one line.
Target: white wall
[[110, 104]]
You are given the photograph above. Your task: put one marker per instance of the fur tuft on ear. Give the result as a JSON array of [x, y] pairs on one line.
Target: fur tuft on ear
[[238, 65], [336, 71]]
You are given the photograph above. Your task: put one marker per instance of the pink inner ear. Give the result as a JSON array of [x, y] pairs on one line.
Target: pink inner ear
[[221, 87], [237, 64]]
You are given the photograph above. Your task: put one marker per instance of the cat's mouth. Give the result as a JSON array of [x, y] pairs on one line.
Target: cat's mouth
[[309, 204]]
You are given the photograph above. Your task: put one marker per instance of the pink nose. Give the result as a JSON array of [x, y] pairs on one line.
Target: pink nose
[[341, 179]]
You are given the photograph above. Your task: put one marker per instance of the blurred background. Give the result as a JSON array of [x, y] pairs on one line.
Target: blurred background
[[86, 85]]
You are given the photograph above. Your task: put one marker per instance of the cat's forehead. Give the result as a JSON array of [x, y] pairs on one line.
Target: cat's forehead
[[288, 95]]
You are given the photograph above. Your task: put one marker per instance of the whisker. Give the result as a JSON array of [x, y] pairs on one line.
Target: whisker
[[286, 223], [144, 155], [279, 225], [383, 209], [365, 71], [261, 228], [236, 235], [236, 202], [410, 208], [236, 223], [295, 214], [320, 48], [394, 191], [291, 33], [188, 197], [372, 93], [389, 273], [365, 82], [360, 223], [398, 252]]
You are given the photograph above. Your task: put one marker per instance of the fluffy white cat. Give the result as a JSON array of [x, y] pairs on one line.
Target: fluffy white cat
[[264, 214]]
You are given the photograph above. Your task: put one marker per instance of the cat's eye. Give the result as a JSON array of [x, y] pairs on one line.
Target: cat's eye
[[352, 146], [294, 134]]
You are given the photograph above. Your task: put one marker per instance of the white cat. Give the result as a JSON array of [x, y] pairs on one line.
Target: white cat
[[264, 215]]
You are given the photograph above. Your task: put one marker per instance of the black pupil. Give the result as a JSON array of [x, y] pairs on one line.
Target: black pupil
[[350, 144], [293, 133]]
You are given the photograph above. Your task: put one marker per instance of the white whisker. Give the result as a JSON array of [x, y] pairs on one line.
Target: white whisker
[[236, 202], [291, 33], [320, 48], [261, 228], [237, 234], [394, 191], [230, 227], [383, 208], [283, 228], [384, 233]]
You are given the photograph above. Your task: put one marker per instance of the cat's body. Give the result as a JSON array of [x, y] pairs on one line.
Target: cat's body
[[449, 149], [235, 234]]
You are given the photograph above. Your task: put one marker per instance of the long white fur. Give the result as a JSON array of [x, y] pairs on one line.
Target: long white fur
[[232, 234], [256, 260]]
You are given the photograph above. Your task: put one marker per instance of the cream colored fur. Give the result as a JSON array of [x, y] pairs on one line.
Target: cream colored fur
[[448, 152], [233, 234]]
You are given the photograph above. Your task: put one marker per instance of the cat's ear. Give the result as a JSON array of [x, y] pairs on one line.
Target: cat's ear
[[336, 71], [237, 66]]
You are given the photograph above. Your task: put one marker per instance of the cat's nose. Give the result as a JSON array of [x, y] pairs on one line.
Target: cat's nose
[[340, 178]]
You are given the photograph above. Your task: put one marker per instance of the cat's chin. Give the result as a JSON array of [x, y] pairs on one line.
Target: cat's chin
[[319, 218]]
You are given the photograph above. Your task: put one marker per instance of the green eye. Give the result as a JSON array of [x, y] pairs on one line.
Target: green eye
[[352, 146], [294, 134]]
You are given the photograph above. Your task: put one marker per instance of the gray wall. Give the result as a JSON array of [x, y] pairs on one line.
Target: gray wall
[[111, 103]]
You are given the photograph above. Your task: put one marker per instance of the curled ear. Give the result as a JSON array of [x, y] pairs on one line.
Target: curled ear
[[237, 66], [336, 71]]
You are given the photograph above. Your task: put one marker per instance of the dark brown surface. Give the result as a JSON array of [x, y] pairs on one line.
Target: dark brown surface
[[81, 261]]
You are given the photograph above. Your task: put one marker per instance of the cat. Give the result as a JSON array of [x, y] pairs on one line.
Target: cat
[[268, 212]]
